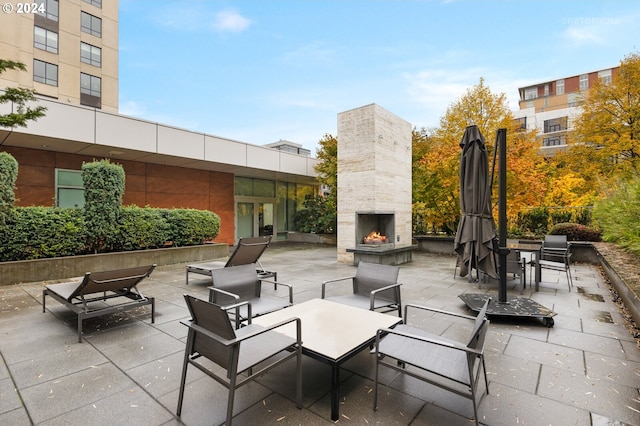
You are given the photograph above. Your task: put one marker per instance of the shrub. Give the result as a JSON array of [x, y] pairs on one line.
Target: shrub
[[535, 221], [190, 226], [576, 232], [8, 176], [141, 228], [38, 232], [617, 215], [103, 190], [316, 216]]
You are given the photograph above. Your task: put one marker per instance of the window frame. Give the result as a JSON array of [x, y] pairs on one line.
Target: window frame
[[46, 46], [61, 187], [45, 78], [51, 12], [93, 22], [89, 60], [96, 3]]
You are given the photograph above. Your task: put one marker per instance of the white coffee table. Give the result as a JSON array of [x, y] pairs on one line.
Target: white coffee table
[[332, 333]]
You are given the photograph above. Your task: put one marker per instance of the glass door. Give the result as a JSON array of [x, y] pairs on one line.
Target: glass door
[[245, 220], [265, 219]]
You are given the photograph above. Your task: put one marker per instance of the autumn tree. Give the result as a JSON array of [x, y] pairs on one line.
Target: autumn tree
[[19, 97], [605, 143], [526, 181]]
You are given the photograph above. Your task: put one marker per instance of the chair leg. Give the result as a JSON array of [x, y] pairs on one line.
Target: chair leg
[[299, 378], [232, 391], [183, 378], [375, 386]]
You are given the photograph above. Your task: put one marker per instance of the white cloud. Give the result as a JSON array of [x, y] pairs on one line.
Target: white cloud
[[230, 21]]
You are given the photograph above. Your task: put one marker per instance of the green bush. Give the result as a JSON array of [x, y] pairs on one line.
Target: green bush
[[103, 191], [39, 232], [576, 232], [141, 228], [561, 216], [317, 216], [534, 221], [8, 176], [617, 215], [189, 227]]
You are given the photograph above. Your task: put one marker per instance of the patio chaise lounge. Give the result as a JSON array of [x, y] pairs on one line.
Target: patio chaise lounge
[[247, 252], [92, 297], [441, 361]]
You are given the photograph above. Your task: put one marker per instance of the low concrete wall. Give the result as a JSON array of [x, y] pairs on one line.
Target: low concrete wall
[[629, 298], [301, 237], [73, 266], [433, 244]]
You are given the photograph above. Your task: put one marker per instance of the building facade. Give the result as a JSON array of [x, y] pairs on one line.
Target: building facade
[[551, 107], [70, 49]]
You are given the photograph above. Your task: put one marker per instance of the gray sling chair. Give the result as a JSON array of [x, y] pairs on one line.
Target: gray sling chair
[[449, 364], [247, 252], [102, 293], [212, 336], [237, 284], [555, 255], [374, 287]]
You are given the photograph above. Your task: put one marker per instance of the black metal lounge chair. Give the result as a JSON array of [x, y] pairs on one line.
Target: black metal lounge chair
[[443, 362], [87, 297], [237, 284], [211, 335], [375, 287], [247, 251]]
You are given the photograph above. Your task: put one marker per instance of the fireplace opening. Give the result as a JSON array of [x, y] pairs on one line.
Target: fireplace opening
[[375, 229]]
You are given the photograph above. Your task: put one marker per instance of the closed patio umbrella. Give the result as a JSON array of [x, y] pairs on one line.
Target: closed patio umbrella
[[477, 229]]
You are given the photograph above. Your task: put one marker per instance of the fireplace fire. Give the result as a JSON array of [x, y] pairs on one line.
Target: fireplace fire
[[375, 238]]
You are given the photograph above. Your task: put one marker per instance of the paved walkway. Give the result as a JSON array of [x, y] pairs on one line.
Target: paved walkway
[[584, 370]]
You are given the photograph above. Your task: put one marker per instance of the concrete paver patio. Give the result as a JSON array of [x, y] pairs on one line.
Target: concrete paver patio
[[584, 370]]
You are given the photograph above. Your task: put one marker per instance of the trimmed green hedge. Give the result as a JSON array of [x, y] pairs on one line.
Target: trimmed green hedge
[[40, 232]]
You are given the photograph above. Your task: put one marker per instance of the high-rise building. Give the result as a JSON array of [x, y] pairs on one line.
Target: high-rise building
[[70, 49], [551, 107]]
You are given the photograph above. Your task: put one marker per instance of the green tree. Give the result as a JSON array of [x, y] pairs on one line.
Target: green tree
[[19, 97], [327, 167]]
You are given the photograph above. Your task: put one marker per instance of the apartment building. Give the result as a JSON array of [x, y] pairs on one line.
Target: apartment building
[[70, 49], [551, 107]]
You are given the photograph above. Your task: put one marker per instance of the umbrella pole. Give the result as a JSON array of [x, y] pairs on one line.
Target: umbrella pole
[[501, 146]]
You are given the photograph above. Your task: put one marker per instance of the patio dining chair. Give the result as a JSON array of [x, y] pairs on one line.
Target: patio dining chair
[[212, 336], [555, 255], [374, 286], [443, 362], [237, 284]]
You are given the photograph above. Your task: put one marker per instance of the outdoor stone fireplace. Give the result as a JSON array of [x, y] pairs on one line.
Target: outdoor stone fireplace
[[374, 186]]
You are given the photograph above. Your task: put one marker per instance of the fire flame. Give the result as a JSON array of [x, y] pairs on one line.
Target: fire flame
[[375, 237]]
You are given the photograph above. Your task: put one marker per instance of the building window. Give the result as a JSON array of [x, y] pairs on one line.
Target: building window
[[584, 82], [45, 39], [574, 99], [90, 54], [560, 87], [605, 76], [96, 3], [44, 72], [69, 188], [50, 10], [521, 123], [554, 141], [250, 187], [90, 90], [530, 93], [555, 124], [91, 24]]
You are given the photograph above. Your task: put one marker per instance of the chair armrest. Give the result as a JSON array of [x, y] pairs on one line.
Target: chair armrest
[[324, 283], [271, 327], [441, 341], [219, 290], [276, 284], [439, 311], [374, 293]]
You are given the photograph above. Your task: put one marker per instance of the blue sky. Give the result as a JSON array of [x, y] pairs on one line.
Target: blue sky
[[262, 70]]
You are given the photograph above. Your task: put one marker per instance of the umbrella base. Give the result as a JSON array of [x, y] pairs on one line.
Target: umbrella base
[[514, 308]]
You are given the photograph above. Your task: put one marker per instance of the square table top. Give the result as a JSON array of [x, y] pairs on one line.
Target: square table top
[[330, 329]]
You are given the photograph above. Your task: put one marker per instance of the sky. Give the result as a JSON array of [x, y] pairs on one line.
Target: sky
[[258, 71]]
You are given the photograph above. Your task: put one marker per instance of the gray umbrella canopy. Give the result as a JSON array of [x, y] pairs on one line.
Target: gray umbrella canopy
[[477, 229]]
